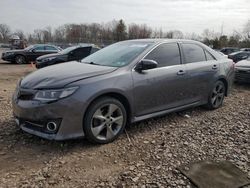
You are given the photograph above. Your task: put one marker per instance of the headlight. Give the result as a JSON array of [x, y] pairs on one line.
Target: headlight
[[53, 95], [48, 59], [9, 53]]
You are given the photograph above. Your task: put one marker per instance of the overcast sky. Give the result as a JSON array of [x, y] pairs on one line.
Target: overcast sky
[[185, 15]]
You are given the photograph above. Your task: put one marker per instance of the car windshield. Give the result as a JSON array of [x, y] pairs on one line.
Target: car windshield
[[118, 54], [67, 50]]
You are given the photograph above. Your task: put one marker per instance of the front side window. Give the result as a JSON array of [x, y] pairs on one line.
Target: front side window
[[39, 48], [165, 55], [193, 53]]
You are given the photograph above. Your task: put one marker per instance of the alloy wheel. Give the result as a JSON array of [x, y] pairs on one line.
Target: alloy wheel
[[218, 95], [20, 60], [107, 121]]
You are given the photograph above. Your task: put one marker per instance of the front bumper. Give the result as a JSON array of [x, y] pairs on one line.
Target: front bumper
[[242, 75], [8, 57], [33, 116]]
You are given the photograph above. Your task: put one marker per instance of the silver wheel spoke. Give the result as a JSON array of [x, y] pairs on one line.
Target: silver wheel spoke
[[111, 109], [97, 130], [214, 99], [110, 133], [118, 120], [220, 95], [98, 115]]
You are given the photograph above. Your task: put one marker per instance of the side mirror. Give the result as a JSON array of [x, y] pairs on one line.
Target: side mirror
[[146, 64], [33, 50]]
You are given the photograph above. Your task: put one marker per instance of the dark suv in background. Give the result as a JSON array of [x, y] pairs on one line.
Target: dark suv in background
[[29, 54], [229, 50], [74, 53]]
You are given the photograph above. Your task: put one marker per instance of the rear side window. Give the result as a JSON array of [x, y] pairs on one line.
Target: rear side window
[[50, 48], [93, 50], [193, 53], [209, 56], [82, 52], [165, 55]]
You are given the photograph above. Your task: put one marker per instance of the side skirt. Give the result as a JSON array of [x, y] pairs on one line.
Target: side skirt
[[160, 113]]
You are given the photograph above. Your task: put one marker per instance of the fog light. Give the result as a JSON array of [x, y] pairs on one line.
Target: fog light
[[51, 126]]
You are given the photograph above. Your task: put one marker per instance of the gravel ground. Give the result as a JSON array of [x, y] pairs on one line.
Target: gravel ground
[[148, 154]]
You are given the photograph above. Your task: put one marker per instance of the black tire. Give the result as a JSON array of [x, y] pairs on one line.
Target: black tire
[[20, 59], [104, 105], [216, 96]]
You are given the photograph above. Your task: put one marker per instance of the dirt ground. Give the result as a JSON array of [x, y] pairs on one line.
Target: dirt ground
[[147, 155]]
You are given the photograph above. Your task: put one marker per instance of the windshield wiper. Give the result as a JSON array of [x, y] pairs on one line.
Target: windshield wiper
[[92, 63]]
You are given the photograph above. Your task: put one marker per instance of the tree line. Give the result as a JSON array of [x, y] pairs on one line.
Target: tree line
[[117, 30]]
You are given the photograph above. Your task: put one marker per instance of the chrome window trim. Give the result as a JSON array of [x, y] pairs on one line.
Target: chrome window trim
[[177, 43]]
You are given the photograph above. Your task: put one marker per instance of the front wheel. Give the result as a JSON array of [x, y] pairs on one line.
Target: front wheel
[[20, 59], [105, 120], [216, 96]]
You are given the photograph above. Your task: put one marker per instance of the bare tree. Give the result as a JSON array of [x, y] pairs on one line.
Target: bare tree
[[246, 30], [4, 32], [20, 34]]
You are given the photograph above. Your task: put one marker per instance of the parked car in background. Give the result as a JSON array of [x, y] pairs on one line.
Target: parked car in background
[[226, 56], [245, 49], [74, 53], [29, 54], [123, 83], [238, 56], [229, 50], [242, 71]]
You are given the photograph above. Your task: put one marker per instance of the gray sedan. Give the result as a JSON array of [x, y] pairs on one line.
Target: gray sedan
[[123, 83]]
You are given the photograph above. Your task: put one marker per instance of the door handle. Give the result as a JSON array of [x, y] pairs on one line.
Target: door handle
[[215, 67], [180, 72]]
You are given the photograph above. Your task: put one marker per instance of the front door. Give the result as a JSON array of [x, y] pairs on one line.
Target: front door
[[163, 87]]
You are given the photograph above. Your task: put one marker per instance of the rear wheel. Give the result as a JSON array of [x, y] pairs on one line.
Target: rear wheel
[[105, 120], [217, 96], [19, 59]]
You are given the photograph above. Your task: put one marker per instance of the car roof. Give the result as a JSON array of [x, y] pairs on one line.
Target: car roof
[[159, 40]]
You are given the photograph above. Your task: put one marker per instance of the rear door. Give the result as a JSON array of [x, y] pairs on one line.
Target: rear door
[[35, 52], [202, 69], [163, 87]]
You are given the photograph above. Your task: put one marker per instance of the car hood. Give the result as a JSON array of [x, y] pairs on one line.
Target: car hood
[[49, 55], [243, 64], [57, 76]]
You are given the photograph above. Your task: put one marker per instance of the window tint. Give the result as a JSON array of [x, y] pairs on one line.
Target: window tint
[[81, 52], [39, 48], [93, 50], [165, 55], [50, 48], [209, 56], [193, 53]]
